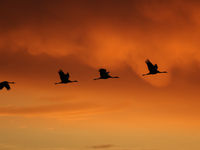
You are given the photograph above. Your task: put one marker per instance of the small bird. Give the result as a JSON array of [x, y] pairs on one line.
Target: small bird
[[5, 84], [153, 69], [104, 74], [64, 78]]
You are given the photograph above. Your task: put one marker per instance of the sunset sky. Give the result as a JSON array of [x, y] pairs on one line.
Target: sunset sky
[[134, 112]]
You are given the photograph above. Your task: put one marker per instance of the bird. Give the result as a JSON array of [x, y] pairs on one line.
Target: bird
[[64, 78], [153, 69], [5, 84], [104, 74]]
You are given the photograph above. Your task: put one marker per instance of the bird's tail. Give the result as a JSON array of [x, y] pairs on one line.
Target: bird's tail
[[96, 79], [115, 77], [57, 83]]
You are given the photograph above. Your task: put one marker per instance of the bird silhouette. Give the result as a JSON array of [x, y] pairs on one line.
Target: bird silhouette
[[104, 74], [5, 84], [153, 69], [64, 78]]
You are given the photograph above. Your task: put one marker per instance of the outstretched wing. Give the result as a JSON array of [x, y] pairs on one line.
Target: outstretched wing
[[63, 77], [156, 66], [7, 86], [1, 86], [150, 66], [67, 75]]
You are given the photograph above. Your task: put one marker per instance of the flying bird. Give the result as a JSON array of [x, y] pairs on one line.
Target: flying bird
[[64, 78], [153, 69], [5, 84], [104, 74]]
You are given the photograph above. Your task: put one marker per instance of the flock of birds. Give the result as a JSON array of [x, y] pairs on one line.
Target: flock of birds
[[104, 74]]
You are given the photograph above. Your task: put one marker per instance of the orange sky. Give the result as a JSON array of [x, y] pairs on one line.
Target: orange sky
[[161, 112]]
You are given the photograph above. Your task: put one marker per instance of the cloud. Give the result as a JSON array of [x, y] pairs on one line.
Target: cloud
[[70, 109], [100, 33], [4, 146], [92, 29], [104, 146]]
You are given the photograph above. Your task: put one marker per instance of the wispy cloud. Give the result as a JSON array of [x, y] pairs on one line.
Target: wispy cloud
[[69, 109], [4, 146], [104, 146]]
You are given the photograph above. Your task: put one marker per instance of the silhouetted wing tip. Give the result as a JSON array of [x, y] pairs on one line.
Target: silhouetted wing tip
[[7, 86], [156, 66], [147, 61]]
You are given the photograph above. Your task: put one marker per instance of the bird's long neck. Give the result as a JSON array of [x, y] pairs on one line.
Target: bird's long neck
[[162, 72], [115, 77], [58, 83]]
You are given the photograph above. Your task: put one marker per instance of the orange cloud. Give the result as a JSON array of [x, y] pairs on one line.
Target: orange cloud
[[106, 33]]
